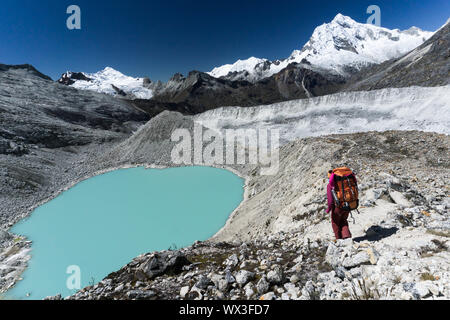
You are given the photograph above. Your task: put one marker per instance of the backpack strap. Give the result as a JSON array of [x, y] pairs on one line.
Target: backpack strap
[[350, 186]]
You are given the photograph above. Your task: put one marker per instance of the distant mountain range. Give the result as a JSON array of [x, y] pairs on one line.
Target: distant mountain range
[[339, 55], [342, 46]]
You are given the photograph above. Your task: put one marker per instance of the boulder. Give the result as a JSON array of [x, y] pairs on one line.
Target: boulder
[[203, 282], [373, 255], [360, 258], [244, 276], [232, 261], [140, 294], [275, 276], [399, 198], [163, 263], [262, 286], [268, 296], [5, 235], [184, 291], [249, 290]]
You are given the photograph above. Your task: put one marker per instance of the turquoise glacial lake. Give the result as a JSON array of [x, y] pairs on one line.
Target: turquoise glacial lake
[[102, 223]]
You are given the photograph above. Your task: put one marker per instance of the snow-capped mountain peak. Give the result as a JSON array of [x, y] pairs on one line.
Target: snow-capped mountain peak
[[340, 46], [109, 81], [343, 20], [344, 43], [248, 65]]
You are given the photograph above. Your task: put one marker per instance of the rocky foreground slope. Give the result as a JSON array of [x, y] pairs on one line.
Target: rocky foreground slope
[[278, 243]]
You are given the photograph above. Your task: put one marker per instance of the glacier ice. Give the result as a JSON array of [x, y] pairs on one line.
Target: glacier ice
[[411, 108]]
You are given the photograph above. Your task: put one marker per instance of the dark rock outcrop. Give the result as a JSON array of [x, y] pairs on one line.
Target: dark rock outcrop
[[199, 91], [68, 78], [162, 263]]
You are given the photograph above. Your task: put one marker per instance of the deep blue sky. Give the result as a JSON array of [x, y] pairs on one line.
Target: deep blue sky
[[159, 38]]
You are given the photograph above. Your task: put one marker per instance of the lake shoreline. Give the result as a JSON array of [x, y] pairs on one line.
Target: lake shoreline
[[24, 254]]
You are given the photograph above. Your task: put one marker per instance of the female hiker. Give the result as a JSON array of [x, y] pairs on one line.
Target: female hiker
[[342, 183]]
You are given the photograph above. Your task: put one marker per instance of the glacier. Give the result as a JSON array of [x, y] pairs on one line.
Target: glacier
[[411, 108]]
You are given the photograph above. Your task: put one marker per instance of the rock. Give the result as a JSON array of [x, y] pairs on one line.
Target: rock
[[344, 242], [264, 264], [5, 235], [119, 288], [360, 258], [262, 286], [275, 276], [57, 297], [184, 291], [244, 276], [309, 291], [285, 296], [229, 277], [297, 268], [434, 289], [219, 295], [399, 198], [280, 290], [373, 255], [268, 296], [140, 294], [249, 290], [194, 294], [341, 272], [232, 261], [354, 273], [421, 289], [292, 290], [294, 279], [203, 282], [162, 263], [417, 290], [333, 255], [222, 282]]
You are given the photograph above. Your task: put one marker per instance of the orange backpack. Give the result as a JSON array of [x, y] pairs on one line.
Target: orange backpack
[[346, 189]]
